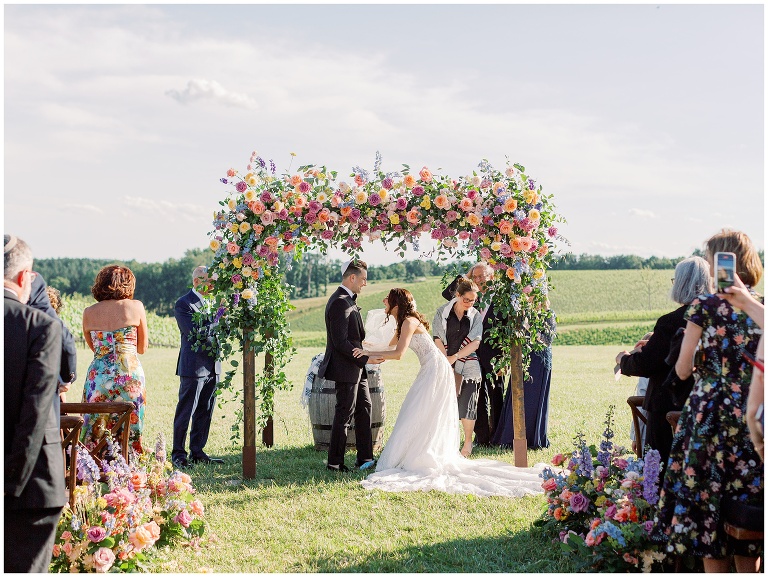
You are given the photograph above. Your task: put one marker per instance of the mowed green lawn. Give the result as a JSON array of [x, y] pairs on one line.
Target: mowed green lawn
[[298, 517]]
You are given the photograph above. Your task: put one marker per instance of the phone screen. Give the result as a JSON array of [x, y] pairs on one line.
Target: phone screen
[[725, 269]]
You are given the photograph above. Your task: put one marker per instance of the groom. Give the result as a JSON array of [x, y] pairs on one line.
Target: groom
[[345, 332]]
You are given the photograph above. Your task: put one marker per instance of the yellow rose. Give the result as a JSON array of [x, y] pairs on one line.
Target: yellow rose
[[222, 265], [383, 193], [250, 195], [495, 245], [215, 245], [426, 204], [237, 262], [538, 274], [234, 228], [246, 271], [101, 502], [239, 285], [278, 206], [394, 219], [361, 196], [232, 204], [322, 197], [247, 293], [321, 176], [534, 214], [245, 227]]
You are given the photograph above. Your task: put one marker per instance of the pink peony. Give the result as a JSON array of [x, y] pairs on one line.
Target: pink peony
[[103, 559]]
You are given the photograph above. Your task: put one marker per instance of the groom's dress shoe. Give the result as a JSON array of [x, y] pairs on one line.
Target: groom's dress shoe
[[340, 469], [207, 459], [180, 462]]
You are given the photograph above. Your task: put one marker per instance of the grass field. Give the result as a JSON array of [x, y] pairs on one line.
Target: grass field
[[297, 517]]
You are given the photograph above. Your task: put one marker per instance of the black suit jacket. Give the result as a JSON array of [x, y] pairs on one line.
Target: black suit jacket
[[34, 465], [485, 352], [39, 299], [344, 332], [191, 363], [649, 361]]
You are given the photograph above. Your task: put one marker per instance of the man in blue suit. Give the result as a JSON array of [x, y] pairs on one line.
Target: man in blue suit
[[198, 372]]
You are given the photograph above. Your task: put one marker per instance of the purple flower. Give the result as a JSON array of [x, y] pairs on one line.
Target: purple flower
[[96, 533], [235, 297], [283, 214], [651, 477], [354, 214], [310, 217], [261, 162], [402, 204], [498, 209], [265, 197], [610, 512], [417, 190], [579, 502], [374, 199], [386, 183], [304, 186], [219, 313], [262, 250], [224, 180], [437, 234], [552, 231], [236, 279], [314, 206], [648, 526], [531, 184], [241, 186], [327, 234], [247, 259]]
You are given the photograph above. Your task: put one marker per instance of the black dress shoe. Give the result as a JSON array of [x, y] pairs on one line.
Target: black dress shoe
[[340, 469], [207, 459], [180, 462]]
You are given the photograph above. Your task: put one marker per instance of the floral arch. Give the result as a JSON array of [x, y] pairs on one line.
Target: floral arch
[[500, 216]]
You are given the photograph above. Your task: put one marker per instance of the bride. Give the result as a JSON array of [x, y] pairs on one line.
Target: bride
[[422, 452]]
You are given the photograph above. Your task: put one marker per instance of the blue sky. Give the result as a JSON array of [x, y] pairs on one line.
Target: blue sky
[[645, 121]]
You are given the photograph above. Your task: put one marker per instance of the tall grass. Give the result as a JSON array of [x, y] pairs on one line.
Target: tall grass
[[298, 517]]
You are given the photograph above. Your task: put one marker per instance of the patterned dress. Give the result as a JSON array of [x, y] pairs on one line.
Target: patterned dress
[[712, 457], [115, 375]]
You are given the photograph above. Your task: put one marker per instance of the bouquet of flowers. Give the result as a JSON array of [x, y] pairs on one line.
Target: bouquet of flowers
[[601, 504], [115, 526]]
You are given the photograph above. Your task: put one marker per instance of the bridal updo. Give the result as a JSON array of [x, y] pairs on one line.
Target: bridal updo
[[113, 283], [406, 307]]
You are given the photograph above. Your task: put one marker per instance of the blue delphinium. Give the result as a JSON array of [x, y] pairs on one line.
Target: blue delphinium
[[606, 445], [651, 477], [87, 469]]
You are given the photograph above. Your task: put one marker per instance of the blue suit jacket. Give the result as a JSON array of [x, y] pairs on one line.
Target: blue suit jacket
[[193, 363]]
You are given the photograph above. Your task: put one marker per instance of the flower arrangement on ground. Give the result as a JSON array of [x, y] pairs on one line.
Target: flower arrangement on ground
[[601, 504], [117, 525], [501, 216]]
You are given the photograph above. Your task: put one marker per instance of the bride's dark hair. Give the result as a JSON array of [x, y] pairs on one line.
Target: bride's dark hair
[[403, 300]]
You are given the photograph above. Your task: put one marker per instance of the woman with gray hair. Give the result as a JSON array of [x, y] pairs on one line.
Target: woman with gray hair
[[691, 279]]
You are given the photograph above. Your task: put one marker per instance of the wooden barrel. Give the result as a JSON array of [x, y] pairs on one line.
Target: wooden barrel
[[322, 406]]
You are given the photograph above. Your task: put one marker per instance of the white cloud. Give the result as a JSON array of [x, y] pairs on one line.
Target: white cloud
[[642, 213], [168, 210], [82, 208], [201, 89]]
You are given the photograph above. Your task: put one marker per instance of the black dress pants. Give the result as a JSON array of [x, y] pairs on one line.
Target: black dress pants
[[29, 537], [353, 400], [196, 402], [489, 404]]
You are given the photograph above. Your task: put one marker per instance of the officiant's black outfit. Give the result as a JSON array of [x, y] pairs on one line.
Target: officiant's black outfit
[[35, 490], [490, 401], [345, 332]]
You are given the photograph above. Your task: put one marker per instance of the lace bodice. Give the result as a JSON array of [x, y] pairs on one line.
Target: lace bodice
[[424, 347]]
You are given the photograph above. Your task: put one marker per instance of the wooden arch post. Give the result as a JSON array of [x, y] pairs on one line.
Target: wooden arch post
[[249, 407], [520, 443]]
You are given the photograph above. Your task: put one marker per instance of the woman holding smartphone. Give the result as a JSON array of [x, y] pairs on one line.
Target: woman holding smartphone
[[713, 463]]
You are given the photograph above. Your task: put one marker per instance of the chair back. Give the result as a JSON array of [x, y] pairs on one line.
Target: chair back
[[672, 418], [638, 420], [120, 430], [70, 436]]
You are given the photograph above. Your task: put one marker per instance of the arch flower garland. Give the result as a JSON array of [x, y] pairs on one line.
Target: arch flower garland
[[500, 216]]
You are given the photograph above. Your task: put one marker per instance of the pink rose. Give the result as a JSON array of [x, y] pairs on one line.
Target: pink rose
[[196, 507], [549, 485], [183, 518], [621, 463], [232, 248], [558, 459], [96, 533], [267, 218], [103, 559], [66, 535], [56, 550], [327, 234], [610, 512], [485, 253]]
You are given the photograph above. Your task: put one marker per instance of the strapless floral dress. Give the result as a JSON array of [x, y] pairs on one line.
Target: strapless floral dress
[[115, 375]]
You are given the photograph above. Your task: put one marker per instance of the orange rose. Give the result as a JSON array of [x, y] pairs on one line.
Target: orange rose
[[473, 219], [511, 276], [409, 181], [425, 174], [516, 244], [465, 204], [295, 180], [505, 227], [345, 210], [442, 202], [413, 216], [510, 205]]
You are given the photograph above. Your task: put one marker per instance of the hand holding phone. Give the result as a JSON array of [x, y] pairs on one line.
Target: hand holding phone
[[725, 270]]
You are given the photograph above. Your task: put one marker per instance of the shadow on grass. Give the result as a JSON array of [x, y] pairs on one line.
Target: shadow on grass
[[512, 553]]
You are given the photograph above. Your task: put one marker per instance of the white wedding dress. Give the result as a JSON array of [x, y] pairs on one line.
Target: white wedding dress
[[422, 453]]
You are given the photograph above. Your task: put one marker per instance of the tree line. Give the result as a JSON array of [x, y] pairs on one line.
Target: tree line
[[158, 285]]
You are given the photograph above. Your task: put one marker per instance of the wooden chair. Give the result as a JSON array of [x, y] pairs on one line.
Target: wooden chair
[[672, 418], [743, 522], [120, 430], [635, 404], [70, 435]]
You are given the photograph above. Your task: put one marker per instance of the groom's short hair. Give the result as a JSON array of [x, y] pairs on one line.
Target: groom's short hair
[[355, 267]]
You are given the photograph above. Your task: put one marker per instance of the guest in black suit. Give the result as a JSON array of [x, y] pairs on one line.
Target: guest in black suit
[[491, 398], [34, 467], [198, 373], [691, 279], [39, 299], [345, 332]]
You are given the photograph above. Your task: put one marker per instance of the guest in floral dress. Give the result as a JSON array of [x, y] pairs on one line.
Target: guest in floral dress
[[115, 329], [712, 459]]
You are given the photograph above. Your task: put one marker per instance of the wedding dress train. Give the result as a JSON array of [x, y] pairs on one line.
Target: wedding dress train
[[422, 453]]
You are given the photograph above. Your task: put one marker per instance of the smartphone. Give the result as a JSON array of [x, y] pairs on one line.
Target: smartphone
[[725, 269]]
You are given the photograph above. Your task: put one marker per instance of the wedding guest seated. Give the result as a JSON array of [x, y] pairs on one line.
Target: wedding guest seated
[[691, 279], [712, 464], [115, 329]]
